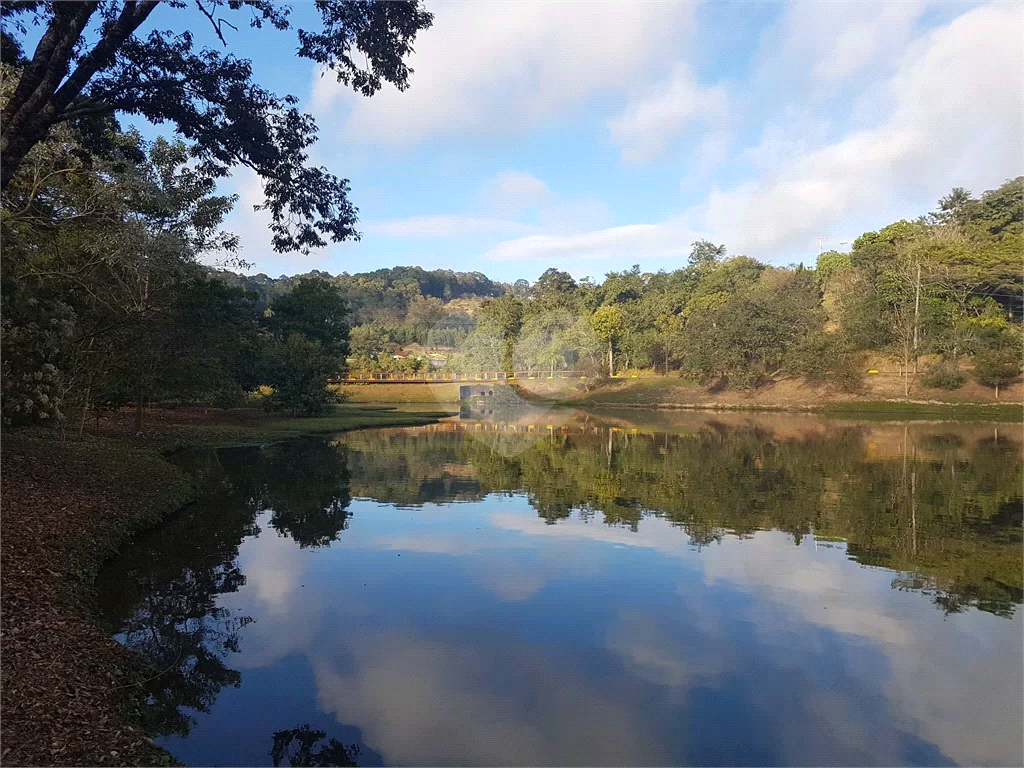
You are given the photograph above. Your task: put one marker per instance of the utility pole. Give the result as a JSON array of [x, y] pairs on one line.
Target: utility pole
[[917, 309]]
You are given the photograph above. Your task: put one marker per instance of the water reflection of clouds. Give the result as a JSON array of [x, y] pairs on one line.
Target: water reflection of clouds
[[927, 664], [744, 703], [760, 651], [459, 700], [273, 569], [964, 698]]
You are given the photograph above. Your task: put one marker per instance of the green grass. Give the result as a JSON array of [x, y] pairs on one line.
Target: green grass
[[342, 418], [434, 394]]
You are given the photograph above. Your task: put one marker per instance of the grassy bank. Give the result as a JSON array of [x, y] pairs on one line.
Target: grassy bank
[[69, 690], [878, 396], [426, 394]]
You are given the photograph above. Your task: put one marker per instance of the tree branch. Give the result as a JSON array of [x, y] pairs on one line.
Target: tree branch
[[215, 22], [48, 67], [131, 18]]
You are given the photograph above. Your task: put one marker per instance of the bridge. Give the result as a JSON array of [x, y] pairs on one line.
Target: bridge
[[441, 377]]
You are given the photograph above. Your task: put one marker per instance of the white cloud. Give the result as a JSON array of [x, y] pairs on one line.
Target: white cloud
[[646, 126], [443, 226], [511, 193], [433, 693], [655, 533], [515, 193], [272, 570], [844, 39], [505, 67], [669, 238], [513, 582], [973, 716], [958, 121]]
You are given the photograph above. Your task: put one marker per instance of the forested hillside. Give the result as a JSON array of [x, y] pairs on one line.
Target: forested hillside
[[946, 287]]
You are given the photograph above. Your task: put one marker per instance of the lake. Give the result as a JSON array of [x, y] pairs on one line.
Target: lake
[[618, 588]]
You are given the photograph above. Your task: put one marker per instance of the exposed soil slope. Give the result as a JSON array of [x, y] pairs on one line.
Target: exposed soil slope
[[789, 393]]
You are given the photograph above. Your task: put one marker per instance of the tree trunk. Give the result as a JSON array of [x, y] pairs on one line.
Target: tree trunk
[[85, 412], [913, 507], [997, 391], [611, 361], [24, 120], [45, 90], [917, 308], [138, 406]]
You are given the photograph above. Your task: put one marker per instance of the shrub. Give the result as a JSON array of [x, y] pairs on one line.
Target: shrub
[[827, 357], [943, 376]]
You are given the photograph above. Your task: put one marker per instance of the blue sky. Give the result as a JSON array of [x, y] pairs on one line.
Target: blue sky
[[592, 136]]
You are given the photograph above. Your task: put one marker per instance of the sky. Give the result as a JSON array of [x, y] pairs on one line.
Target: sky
[[592, 136]]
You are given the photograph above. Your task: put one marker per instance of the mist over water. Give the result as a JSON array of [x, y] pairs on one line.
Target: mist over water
[[581, 589]]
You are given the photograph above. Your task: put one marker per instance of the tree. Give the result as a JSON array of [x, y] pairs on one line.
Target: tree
[[316, 310], [608, 324], [955, 207], [997, 367], [822, 357], [106, 247], [828, 264], [585, 346], [307, 347], [369, 341], [554, 283], [542, 339], [747, 336], [705, 253], [298, 369], [622, 287], [503, 317], [92, 63]]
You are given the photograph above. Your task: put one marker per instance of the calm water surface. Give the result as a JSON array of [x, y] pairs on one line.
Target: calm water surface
[[692, 590]]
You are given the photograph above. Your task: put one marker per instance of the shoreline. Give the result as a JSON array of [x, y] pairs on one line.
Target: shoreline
[[892, 408], [69, 690], [793, 394]]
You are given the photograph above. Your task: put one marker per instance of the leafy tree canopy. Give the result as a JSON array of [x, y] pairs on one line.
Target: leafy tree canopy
[[93, 61], [315, 309], [706, 253]]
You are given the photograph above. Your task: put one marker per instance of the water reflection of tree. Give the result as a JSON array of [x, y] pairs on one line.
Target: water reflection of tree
[[306, 484], [952, 516], [408, 469], [298, 746], [163, 593]]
